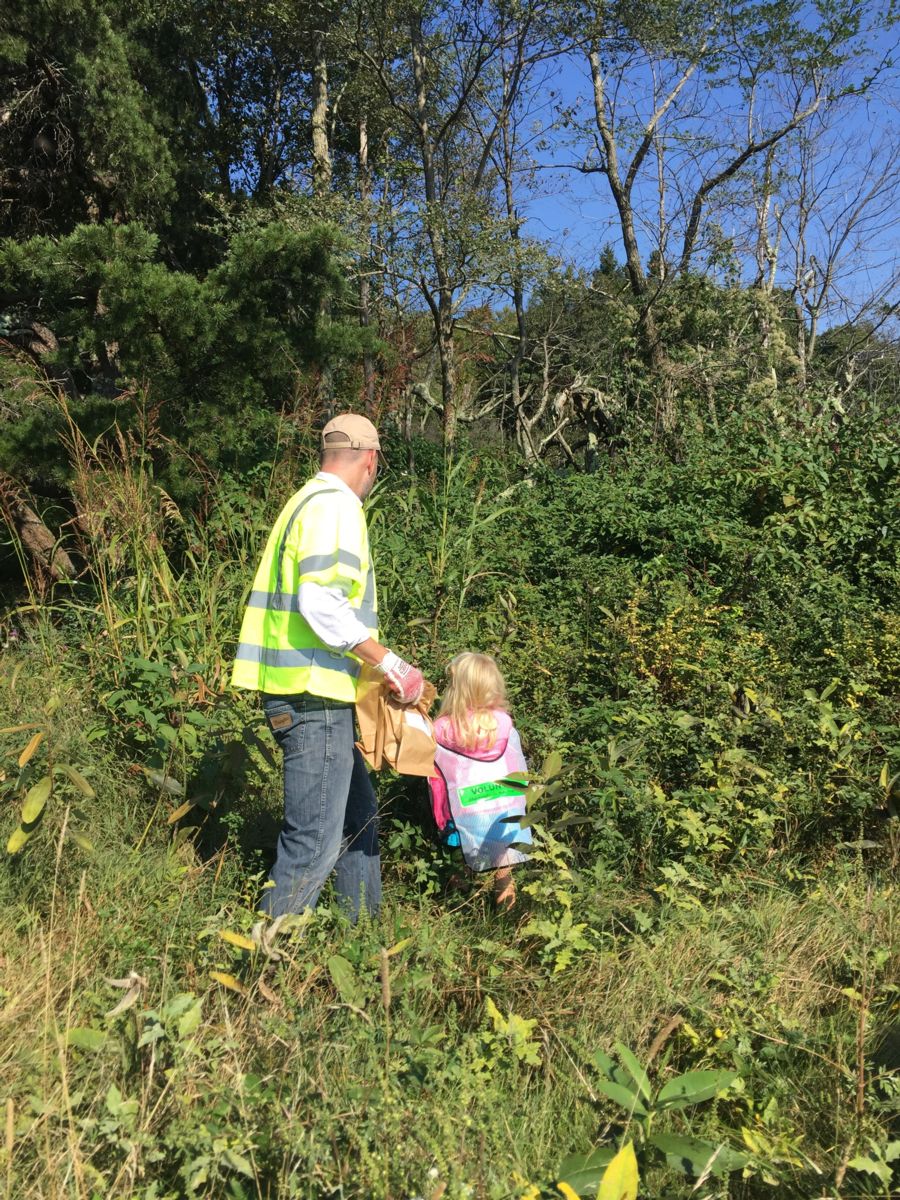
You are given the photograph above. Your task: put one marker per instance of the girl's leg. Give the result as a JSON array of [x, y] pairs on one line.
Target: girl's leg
[[504, 888]]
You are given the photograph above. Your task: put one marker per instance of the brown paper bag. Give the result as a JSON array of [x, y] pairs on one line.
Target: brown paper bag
[[399, 735]]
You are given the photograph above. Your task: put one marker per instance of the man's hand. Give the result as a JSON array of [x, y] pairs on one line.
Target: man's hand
[[405, 680]]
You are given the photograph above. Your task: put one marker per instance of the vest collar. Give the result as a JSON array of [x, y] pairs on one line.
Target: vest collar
[[336, 481]]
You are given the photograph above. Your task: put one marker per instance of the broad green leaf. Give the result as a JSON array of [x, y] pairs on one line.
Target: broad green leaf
[[17, 840], [620, 1179], [569, 821], [238, 1163], [77, 780], [552, 764], [605, 1063], [252, 738], [28, 753], [153, 1033], [495, 1014], [634, 1069], [695, 1157], [611, 1069], [621, 1095], [190, 1022], [80, 840], [344, 978], [165, 782], [35, 800], [178, 1005], [85, 1038], [583, 1172], [872, 1166], [113, 1100], [686, 721], [694, 1087]]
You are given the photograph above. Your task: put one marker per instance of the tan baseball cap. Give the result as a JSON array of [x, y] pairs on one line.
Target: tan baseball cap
[[350, 431]]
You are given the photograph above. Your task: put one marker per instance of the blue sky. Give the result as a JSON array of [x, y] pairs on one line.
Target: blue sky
[[856, 153]]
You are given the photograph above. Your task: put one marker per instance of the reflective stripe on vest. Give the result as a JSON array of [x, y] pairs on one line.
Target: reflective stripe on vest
[[368, 610], [278, 651], [273, 657]]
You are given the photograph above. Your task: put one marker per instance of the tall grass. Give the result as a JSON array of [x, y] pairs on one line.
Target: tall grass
[[141, 556]]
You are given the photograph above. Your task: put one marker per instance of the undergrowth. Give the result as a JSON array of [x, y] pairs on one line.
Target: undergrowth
[[704, 656], [462, 1058]]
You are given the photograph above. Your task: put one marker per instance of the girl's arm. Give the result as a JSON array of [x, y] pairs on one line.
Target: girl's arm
[[440, 801]]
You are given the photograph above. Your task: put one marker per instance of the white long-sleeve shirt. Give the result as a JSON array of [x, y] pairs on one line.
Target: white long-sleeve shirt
[[327, 610]]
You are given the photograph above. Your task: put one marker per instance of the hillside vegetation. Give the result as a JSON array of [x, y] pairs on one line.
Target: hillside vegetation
[[704, 657], [618, 285]]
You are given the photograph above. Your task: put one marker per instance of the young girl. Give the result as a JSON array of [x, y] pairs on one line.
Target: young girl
[[478, 748]]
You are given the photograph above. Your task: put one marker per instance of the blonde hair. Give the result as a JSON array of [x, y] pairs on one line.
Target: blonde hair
[[475, 687]]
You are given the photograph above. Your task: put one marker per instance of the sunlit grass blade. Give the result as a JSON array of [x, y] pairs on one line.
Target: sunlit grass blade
[[77, 780], [17, 840], [29, 751], [228, 981], [36, 799], [237, 939]]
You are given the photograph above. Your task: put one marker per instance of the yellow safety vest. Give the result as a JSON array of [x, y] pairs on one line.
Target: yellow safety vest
[[319, 537]]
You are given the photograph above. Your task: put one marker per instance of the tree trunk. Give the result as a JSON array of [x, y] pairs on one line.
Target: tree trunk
[[802, 349], [42, 547], [442, 309], [321, 188], [637, 278], [518, 289], [447, 354], [319, 119], [365, 311]]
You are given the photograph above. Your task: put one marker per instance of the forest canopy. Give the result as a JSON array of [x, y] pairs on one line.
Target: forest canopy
[[246, 210]]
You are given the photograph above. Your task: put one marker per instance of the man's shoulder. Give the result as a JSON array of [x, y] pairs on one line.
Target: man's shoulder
[[320, 494]]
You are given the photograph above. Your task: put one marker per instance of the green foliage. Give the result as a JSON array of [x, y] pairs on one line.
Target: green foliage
[[42, 777], [627, 1084], [181, 1052], [224, 352], [706, 671], [712, 643], [84, 136]]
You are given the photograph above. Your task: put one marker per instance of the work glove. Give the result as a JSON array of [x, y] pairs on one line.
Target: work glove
[[405, 680]]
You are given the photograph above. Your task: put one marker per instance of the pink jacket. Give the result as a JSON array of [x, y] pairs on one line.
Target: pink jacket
[[467, 790]]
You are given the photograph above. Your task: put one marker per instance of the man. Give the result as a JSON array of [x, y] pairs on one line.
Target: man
[[311, 621]]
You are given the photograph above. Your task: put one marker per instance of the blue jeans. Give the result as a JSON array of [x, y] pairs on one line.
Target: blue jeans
[[330, 813]]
